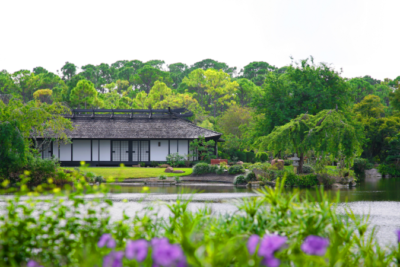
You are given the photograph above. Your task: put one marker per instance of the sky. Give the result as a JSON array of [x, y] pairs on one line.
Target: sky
[[361, 37]]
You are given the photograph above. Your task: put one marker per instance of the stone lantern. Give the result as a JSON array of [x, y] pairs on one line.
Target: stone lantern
[[295, 160]]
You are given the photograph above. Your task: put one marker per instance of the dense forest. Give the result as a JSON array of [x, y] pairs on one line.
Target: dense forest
[[243, 104]]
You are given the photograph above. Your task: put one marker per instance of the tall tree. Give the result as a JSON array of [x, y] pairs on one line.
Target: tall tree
[[304, 87], [256, 71], [330, 132], [214, 89], [147, 76], [213, 64], [155, 63], [360, 88], [84, 94], [246, 91], [178, 71], [68, 70], [39, 70]]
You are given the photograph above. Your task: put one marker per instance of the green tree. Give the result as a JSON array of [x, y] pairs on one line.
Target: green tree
[[360, 88], [213, 89], [370, 106], [328, 132], [394, 98], [68, 71], [202, 148], [178, 71], [147, 76], [12, 148], [40, 70], [304, 87], [246, 91], [84, 94], [256, 71], [213, 64]]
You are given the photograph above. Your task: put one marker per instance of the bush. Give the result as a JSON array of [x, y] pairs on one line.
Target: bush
[[220, 171], [326, 180], [212, 168], [250, 176], [308, 169], [293, 179], [260, 166], [262, 157], [142, 164], [201, 168], [360, 166], [246, 165], [175, 159], [239, 180], [177, 179], [162, 177], [390, 169], [288, 162], [154, 164], [236, 169], [250, 157]]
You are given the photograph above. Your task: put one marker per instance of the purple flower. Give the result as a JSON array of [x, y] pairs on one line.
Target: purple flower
[[252, 243], [398, 235], [106, 240], [270, 244], [166, 254], [315, 245], [113, 259], [271, 261], [136, 250], [32, 263]]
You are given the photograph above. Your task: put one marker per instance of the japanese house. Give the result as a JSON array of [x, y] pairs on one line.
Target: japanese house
[[106, 137]]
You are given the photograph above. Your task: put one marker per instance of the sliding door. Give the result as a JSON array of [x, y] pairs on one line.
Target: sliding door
[[120, 150]]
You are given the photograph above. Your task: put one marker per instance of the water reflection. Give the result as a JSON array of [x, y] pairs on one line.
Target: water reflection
[[380, 190]]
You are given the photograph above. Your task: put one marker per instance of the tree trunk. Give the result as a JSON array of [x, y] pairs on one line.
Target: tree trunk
[[301, 162]]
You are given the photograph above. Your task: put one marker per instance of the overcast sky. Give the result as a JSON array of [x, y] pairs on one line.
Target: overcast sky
[[360, 36]]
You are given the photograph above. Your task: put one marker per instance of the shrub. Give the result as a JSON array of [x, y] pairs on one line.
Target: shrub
[[162, 177], [261, 157], [260, 166], [175, 159], [250, 176], [250, 157], [308, 169], [293, 179], [154, 164], [201, 168], [239, 180], [220, 171], [390, 169], [246, 165], [326, 180], [236, 169], [177, 179], [142, 164], [212, 168], [359, 167], [288, 162]]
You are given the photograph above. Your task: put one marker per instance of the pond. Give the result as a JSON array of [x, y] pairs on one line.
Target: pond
[[380, 199]]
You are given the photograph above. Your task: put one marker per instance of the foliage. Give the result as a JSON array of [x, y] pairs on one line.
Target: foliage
[[202, 148], [389, 169], [68, 232], [304, 88], [201, 168], [360, 166], [220, 171], [236, 169], [12, 148], [175, 159], [240, 179], [288, 162], [370, 106], [262, 156], [122, 173], [330, 131], [308, 169], [84, 95], [250, 176], [162, 177], [142, 164]]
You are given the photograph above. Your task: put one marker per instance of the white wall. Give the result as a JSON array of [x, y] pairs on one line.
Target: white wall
[[158, 153], [173, 146], [81, 150], [95, 150], [105, 150], [183, 146], [55, 149], [65, 152]]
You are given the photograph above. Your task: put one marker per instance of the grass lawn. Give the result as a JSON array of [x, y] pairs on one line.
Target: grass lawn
[[129, 172]]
